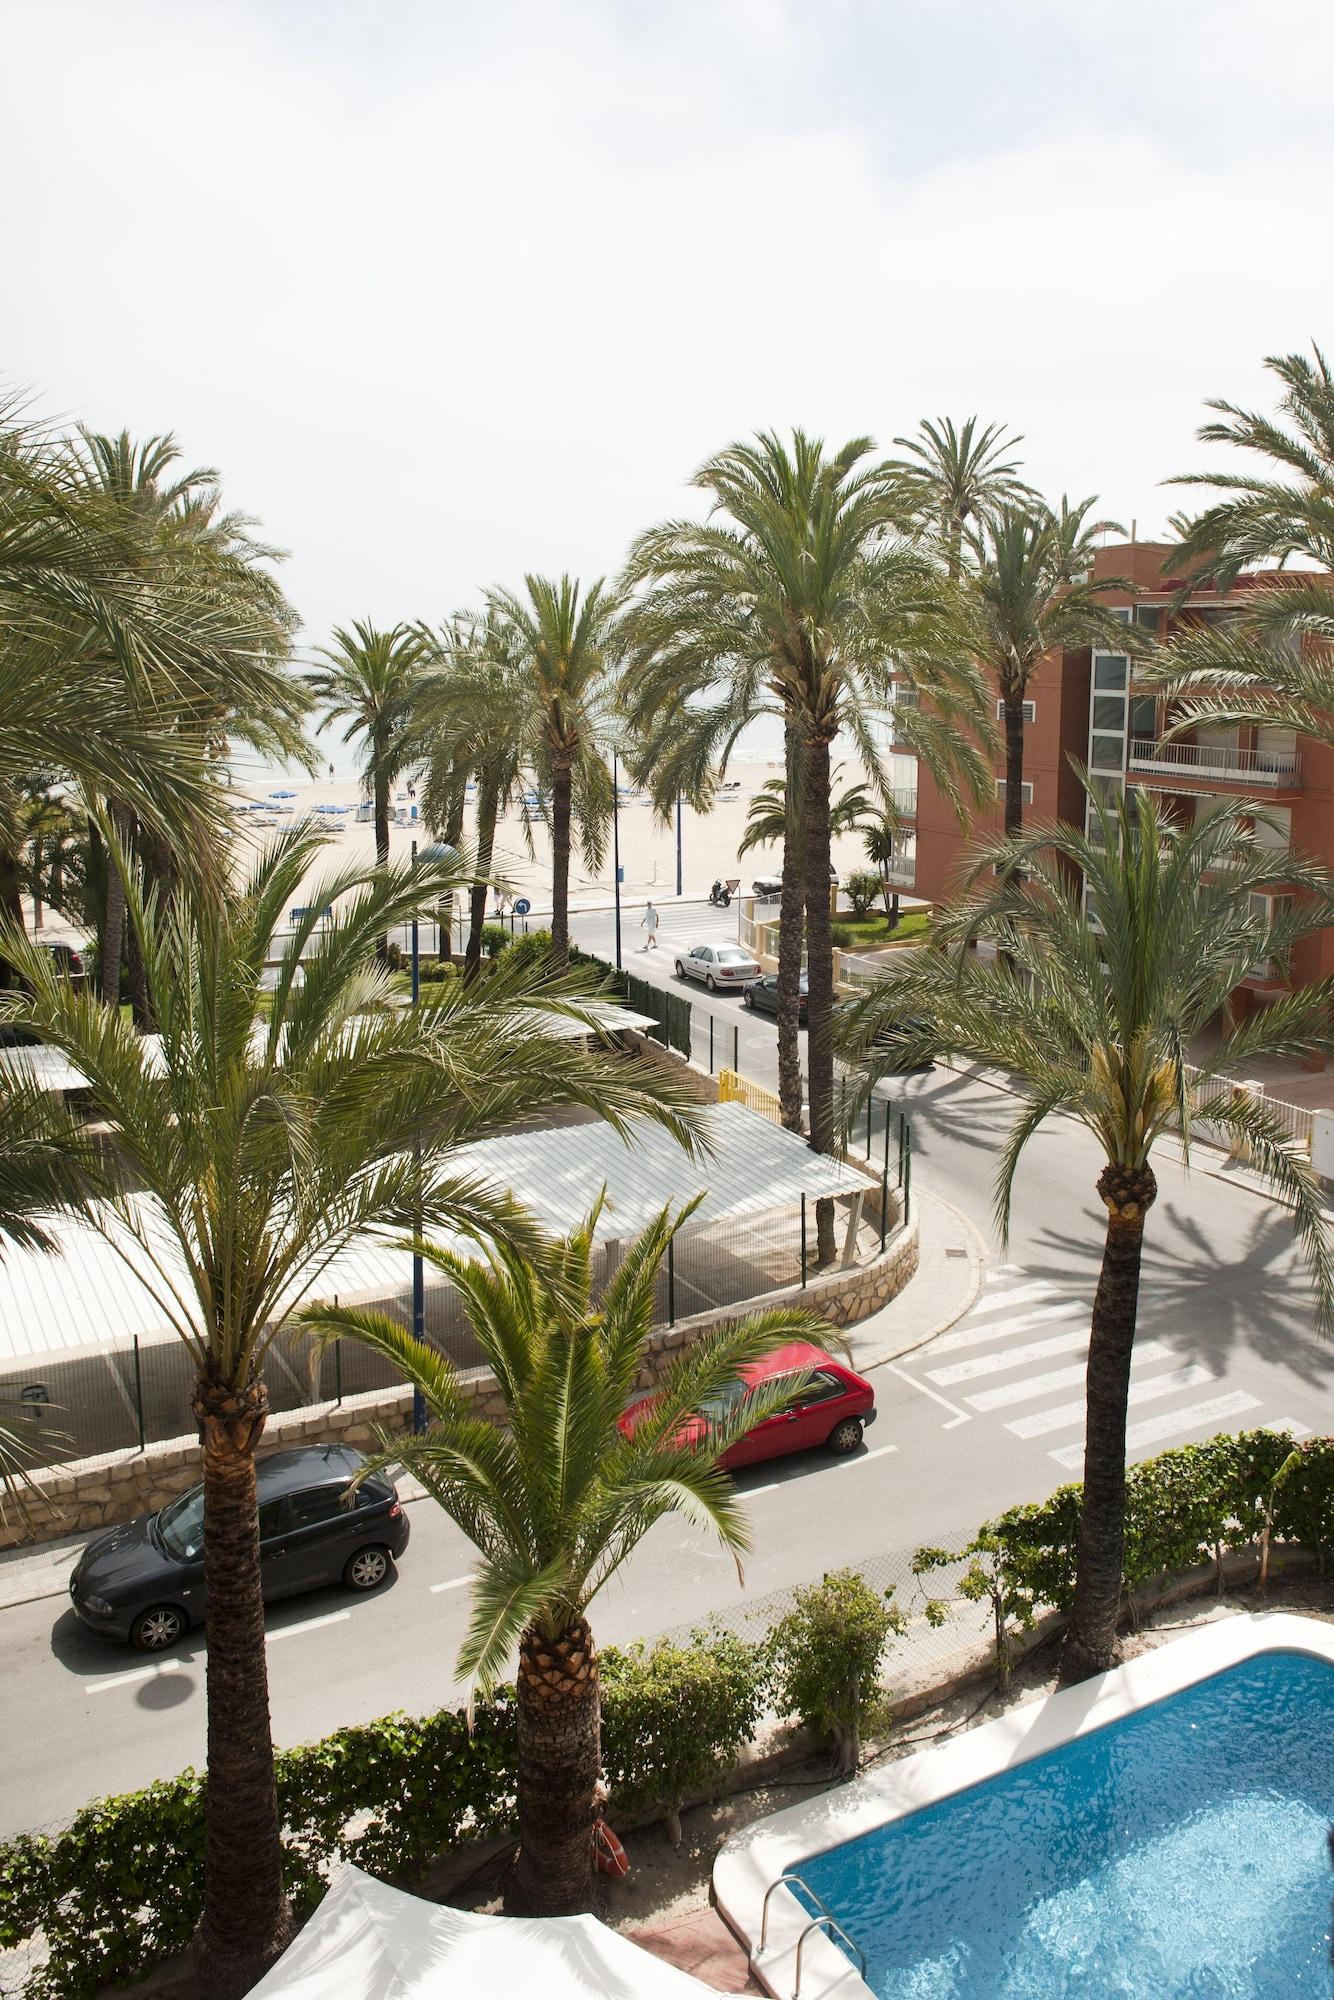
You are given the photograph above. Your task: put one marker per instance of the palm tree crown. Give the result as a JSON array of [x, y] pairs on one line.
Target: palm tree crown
[[557, 1499], [367, 680], [1096, 1020], [952, 477]]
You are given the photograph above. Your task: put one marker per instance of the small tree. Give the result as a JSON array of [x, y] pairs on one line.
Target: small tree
[[675, 1718], [827, 1653], [862, 887]]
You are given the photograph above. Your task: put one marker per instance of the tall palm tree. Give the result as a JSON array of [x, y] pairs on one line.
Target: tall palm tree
[[367, 680], [952, 478], [1026, 592], [469, 712], [1096, 1023], [194, 555], [559, 637], [557, 1499], [253, 1155], [798, 598], [1274, 663]]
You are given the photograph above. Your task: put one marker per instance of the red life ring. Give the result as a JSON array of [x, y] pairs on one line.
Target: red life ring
[[608, 1853]]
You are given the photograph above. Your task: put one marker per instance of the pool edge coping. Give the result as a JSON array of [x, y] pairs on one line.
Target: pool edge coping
[[751, 1860]]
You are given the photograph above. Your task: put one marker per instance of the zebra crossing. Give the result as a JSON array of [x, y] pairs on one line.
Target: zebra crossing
[[994, 1363]]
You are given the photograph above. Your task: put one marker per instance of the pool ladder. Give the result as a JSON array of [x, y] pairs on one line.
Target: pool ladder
[[825, 1920]]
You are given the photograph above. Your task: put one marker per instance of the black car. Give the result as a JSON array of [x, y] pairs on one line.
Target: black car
[[68, 962], [763, 996], [891, 1048], [145, 1581]]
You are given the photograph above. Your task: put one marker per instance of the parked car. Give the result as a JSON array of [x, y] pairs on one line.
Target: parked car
[[763, 997], [835, 1407], [719, 966], [69, 962], [144, 1581]]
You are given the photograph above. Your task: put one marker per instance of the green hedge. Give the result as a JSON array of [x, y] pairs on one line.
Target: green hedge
[[121, 1888], [1197, 1504]]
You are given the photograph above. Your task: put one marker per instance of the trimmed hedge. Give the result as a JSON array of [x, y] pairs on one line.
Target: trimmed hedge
[[121, 1888], [1196, 1504]]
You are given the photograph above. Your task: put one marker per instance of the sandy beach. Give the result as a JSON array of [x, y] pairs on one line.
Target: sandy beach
[[648, 848]]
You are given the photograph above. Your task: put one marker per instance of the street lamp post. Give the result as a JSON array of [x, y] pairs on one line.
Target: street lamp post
[[616, 847], [437, 851], [678, 843]]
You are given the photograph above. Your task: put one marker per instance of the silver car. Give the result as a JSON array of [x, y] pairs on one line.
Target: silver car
[[720, 966]]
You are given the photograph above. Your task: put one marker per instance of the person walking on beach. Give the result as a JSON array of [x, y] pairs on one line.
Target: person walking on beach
[[650, 924]]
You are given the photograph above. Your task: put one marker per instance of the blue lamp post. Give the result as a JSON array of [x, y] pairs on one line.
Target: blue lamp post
[[435, 853], [616, 847]]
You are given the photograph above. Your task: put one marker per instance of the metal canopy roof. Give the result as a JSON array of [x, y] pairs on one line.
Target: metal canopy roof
[[90, 1295]]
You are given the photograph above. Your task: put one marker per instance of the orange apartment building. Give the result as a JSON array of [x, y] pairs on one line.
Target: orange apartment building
[[1085, 705]]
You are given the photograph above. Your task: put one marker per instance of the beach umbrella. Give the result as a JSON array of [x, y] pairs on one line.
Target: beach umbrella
[[282, 795]]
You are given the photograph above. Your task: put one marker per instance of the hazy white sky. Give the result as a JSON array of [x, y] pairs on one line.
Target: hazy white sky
[[451, 291]]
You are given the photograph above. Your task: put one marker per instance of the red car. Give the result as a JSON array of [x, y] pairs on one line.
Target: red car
[[835, 1408]]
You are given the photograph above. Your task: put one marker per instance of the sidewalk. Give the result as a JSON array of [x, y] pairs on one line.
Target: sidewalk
[[947, 1281]]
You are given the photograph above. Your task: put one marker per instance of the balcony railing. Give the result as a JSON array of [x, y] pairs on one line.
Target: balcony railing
[[1274, 769], [900, 869], [904, 800]]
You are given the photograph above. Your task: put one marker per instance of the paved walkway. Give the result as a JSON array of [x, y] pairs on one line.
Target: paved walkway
[[702, 1945]]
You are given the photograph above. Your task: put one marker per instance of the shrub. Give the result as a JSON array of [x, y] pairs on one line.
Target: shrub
[[863, 889], [495, 939], [827, 1653], [841, 936], [675, 1718]]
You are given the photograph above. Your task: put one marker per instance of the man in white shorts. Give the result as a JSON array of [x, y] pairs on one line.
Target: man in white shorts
[[650, 924]]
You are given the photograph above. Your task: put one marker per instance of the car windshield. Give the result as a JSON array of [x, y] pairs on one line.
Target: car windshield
[[717, 1408], [729, 955], [181, 1525]]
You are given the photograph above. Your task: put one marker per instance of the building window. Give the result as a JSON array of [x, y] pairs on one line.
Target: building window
[[1148, 616], [1109, 672], [1030, 711], [1025, 791], [1144, 716], [1107, 753]]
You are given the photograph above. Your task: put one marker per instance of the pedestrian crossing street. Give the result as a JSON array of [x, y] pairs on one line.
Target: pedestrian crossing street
[[996, 1361]]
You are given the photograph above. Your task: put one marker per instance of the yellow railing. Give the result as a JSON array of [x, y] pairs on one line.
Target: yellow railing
[[733, 1088]]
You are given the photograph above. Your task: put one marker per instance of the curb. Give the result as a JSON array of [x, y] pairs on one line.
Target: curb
[[977, 1255]]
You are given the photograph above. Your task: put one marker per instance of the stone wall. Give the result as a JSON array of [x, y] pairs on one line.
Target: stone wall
[[94, 1493]]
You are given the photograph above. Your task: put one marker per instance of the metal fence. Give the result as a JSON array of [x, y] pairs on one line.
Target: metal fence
[[1212, 1093]]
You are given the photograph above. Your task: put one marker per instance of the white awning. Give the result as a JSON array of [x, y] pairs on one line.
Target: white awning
[[367, 1941], [92, 1295]]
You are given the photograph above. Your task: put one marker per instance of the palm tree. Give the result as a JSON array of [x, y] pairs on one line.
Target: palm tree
[[951, 479], [368, 681], [469, 712], [1027, 592], [767, 817], [1095, 1022], [559, 639], [1271, 665], [255, 1154], [557, 1498], [795, 598], [882, 837]]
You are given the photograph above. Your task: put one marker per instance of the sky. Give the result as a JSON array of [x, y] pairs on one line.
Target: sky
[[451, 292]]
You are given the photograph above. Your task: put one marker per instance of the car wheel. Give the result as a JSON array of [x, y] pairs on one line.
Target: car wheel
[[367, 1569], [845, 1437], [158, 1629], [680, 970], [710, 982]]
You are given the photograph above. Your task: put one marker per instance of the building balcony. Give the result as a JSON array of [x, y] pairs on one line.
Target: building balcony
[[904, 801], [1191, 766], [900, 871]]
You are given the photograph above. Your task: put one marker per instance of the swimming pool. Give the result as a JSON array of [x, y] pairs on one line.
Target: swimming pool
[[1156, 1834]]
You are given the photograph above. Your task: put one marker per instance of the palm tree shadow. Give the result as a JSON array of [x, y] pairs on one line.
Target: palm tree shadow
[[1258, 1304]]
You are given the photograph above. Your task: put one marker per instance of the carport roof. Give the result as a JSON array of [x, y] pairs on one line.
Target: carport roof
[[90, 1295]]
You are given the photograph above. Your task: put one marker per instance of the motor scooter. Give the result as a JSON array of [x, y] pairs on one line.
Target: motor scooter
[[720, 895]]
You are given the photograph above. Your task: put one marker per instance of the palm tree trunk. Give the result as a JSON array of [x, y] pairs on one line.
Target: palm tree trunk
[[1013, 698], [113, 915], [488, 806], [380, 782], [246, 1921], [819, 971], [561, 789], [560, 1760], [36, 882], [141, 1005], [1090, 1643], [791, 924]]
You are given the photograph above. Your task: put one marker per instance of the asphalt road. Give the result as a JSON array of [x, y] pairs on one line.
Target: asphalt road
[[986, 1415]]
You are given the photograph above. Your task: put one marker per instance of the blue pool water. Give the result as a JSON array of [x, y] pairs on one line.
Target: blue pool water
[[1179, 1854]]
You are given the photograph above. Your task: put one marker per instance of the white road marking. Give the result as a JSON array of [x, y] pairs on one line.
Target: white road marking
[[1158, 1429], [913, 1383], [133, 1674], [882, 1451], [971, 1335], [306, 1625], [455, 1583], [1192, 1376], [1006, 1393], [1010, 1357], [999, 1271], [1017, 1295], [1291, 1425]]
